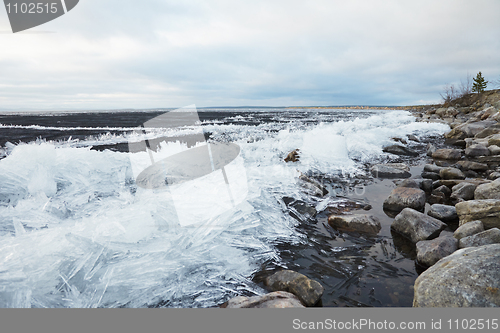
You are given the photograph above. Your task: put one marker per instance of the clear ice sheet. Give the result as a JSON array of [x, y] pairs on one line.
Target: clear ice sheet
[[75, 230]]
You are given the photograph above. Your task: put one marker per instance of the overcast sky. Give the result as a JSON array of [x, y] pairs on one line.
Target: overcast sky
[[110, 54]]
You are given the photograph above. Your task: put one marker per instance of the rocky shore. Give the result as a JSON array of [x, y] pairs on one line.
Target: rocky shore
[[450, 212]]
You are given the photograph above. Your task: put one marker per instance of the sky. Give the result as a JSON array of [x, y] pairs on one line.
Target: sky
[[122, 54]]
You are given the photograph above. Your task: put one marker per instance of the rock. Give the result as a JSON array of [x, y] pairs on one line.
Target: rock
[[413, 138], [469, 165], [468, 229], [489, 159], [432, 168], [451, 173], [466, 278], [477, 150], [403, 141], [487, 211], [494, 150], [399, 150], [442, 189], [464, 191], [402, 197], [431, 149], [472, 129], [494, 140], [277, 299], [491, 236], [360, 223], [488, 191], [416, 226], [308, 291], [487, 132], [447, 154], [312, 186], [426, 185], [298, 209], [292, 156], [430, 175], [494, 175], [411, 183], [453, 182], [443, 213], [431, 251], [391, 170]]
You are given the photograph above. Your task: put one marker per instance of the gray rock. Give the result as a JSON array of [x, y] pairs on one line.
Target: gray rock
[[466, 278], [277, 299], [431, 251], [308, 291], [391, 170], [477, 150], [464, 191], [413, 138], [494, 175], [447, 214], [399, 150], [416, 226], [469, 165], [430, 175], [451, 173], [487, 211], [494, 150], [402, 197], [447, 154], [491, 236], [494, 140], [488, 191], [431, 149], [412, 183], [426, 185], [312, 186], [359, 223], [432, 168], [468, 229], [487, 132]]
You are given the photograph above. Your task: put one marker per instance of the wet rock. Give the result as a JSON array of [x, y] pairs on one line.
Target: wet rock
[[402, 197], [416, 226], [298, 209], [445, 190], [391, 170], [313, 187], [494, 140], [360, 223], [447, 154], [426, 185], [308, 291], [451, 173], [494, 150], [491, 236], [466, 278], [432, 168], [431, 251], [468, 229], [469, 165], [488, 191], [293, 156], [403, 141], [399, 150], [277, 299], [477, 150], [430, 175], [413, 138], [487, 211], [447, 214], [464, 191]]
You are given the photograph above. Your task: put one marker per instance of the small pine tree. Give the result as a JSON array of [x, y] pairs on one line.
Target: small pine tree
[[479, 83]]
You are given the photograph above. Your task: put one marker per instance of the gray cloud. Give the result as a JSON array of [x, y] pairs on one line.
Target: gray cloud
[[129, 54]]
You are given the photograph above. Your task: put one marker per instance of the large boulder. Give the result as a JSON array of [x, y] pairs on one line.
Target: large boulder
[[488, 191], [477, 150], [431, 251], [490, 236], [360, 223], [277, 299], [391, 170], [402, 197], [451, 173], [447, 214], [467, 278], [487, 211], [468, 229], [416, 226], [399, 150], [447, 154], [308, 291]]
